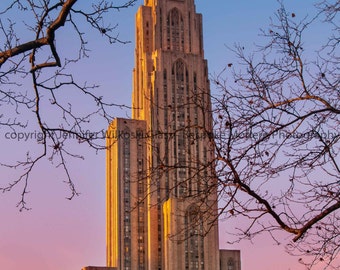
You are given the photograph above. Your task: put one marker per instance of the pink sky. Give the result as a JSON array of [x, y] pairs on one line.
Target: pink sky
[[61, 234]]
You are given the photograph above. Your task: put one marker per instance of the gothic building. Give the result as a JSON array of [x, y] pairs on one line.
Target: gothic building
[[161, 189]]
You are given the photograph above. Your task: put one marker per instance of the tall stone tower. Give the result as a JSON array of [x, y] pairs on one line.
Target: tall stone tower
[[161, 189]]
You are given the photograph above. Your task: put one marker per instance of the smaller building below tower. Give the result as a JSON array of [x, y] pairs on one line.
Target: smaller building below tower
[[230, 259]]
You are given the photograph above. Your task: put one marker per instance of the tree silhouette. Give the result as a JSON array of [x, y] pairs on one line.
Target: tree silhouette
[[277, 137]]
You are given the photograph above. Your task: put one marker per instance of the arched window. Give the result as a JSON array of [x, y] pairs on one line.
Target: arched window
[[175, 30], [231, 264]]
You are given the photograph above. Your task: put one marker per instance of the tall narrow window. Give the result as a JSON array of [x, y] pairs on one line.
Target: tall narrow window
[[161, 28], [197, 133], [165, 129], [194, 245], [175, 30], [179, 81], [141, 202], [127, 202], [190, 32]]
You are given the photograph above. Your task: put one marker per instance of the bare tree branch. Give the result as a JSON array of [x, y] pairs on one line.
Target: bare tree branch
[[277, 138], [49, 68]]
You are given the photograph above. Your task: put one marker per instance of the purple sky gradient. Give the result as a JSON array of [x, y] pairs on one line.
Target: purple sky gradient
[[61, 234]]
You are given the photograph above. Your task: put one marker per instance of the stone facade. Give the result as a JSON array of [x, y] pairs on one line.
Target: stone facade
[[161, 189], [126, 190]]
